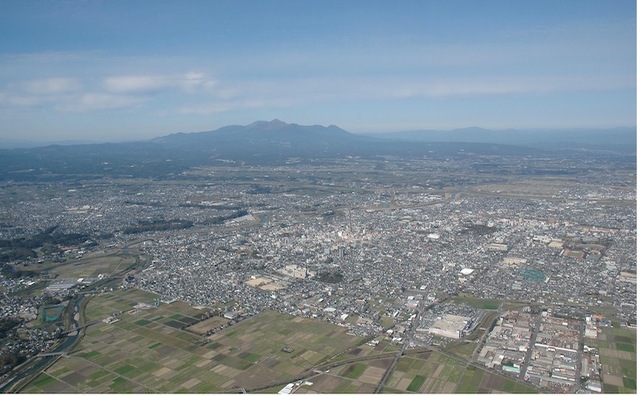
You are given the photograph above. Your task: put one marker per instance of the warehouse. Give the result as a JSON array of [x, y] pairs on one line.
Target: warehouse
[[450, 326]]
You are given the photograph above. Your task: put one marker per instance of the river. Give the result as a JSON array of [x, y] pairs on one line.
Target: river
[[44, 361]]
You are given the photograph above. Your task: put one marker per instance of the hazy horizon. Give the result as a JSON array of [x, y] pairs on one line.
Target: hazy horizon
[[30, 143]]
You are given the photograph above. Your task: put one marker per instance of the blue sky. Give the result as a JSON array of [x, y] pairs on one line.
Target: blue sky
[[122, 70]]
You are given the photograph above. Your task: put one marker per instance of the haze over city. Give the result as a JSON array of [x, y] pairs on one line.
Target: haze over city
[[119, 70]]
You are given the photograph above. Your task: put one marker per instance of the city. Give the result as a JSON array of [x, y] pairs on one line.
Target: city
[[422, 261], [292, 197]]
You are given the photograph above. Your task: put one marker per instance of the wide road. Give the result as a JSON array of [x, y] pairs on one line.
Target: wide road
[[532, 342]]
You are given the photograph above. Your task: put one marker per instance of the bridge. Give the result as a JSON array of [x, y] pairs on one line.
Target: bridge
[[73, 331], [63, 354]]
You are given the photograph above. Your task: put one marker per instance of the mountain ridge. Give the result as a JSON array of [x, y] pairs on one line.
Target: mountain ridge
[[260, 143], [533, 137]]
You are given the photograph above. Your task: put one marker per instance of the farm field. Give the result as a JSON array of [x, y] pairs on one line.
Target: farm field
[[357, 376], [426, 372], [435, 372], [618, 356], [158, 347], [147, 350]]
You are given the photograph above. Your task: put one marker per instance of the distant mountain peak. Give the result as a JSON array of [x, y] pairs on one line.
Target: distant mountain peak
[[277, 122], [273, 124]]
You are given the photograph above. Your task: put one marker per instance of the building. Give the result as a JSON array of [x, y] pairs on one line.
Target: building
[[498, 247], [450, 326], [61, 286]]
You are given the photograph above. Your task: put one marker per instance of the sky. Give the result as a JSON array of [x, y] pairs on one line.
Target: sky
[[119, 70]]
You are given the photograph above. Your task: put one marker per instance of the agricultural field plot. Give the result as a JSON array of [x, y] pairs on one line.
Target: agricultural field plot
[[104, 305], [438, 373], [618, 356], [432, 373], [146, 351], [358, 377], [263, 340], [477, 380], [208, 324]]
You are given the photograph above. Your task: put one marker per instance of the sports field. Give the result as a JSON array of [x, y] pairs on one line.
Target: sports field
[[147, 350]]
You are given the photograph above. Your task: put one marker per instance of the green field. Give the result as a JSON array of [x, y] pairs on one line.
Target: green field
[[479, 303], [439, 373], [145, 352], [618, 356], [354, 371], [417, 382], [623, 346]]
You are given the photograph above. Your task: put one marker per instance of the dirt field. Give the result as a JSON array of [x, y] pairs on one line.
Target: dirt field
[[208, 324]]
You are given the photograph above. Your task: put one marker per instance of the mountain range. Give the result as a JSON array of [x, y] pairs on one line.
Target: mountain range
[[276, 142]]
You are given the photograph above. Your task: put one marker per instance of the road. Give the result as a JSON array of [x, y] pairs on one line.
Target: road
[[408, 337], [527, 357]]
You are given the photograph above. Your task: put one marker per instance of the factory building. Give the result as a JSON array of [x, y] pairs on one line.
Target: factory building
[[450, 326]]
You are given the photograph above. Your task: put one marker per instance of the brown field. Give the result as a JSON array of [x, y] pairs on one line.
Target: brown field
[[207, 324], [271, 287], [372, 375], [259, 282], [147, 351]]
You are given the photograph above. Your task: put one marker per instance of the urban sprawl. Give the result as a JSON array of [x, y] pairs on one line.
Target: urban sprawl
[[377, 257]]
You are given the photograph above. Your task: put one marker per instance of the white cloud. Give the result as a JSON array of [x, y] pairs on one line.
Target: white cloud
[[190, 82], [135, 84], [82, 95], [224, 107], [19, 100], [52, 86], [194, 82], [98, 101]]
